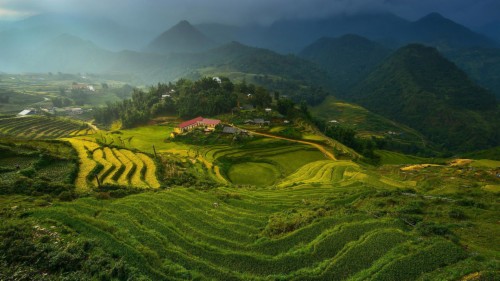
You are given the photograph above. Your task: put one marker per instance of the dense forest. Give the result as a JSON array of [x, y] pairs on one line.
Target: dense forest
[[420, 88]]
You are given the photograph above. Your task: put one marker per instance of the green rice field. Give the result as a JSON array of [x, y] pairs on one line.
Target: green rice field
[[255, 235]]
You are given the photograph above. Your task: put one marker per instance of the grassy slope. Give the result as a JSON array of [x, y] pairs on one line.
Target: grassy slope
[[330, 220], [253, 173], [362, 120], [143, 139], [250, 234]]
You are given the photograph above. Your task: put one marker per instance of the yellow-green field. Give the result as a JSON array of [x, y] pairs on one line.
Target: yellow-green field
[[118, 166], [143, 138]]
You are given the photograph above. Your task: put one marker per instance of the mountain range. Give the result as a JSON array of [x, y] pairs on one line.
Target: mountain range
[[361, 58], [347, 59]]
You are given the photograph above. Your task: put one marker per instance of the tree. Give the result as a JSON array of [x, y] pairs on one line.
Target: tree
[[261, 98], [285, 107], [305, 109], [276, 96]]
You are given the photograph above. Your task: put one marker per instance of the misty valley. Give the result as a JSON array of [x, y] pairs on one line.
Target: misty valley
[[355, 146]]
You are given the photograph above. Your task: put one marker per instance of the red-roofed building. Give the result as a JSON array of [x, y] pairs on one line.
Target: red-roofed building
[[209, 124]]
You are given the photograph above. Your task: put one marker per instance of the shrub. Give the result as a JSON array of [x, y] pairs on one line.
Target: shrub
[[411, 219], [102, 195], [44, 160], [290, 220], [28, 172], [67, 196], [431, 228], [412, 208], [457, 214], [471, 203]]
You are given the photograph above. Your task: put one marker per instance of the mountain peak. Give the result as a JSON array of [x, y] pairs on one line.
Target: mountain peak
[[183, 24], [415, 77], [434, 15], [182, 37], [436, 30]]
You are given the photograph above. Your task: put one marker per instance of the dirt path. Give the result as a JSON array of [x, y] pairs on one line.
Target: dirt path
[[327, 153]]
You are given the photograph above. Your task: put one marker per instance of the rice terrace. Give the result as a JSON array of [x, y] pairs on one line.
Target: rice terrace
[[350, 147]]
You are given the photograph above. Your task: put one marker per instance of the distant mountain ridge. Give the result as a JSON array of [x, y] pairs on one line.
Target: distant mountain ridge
[[182, 37], [347, 59], [438, 31], [103, 32], [291, 36]]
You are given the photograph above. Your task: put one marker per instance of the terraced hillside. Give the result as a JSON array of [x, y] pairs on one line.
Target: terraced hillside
[[40, 127], [302, 233], [26, 165], [261, 162], [113, 166], [342, 173]]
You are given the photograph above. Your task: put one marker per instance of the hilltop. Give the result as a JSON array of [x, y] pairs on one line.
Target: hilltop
[[182, 37], [418, 87]]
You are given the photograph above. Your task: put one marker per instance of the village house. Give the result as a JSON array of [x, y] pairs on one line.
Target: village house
[[257, 121], [74, 110], [207, 124], [27, 112], [82, 86]]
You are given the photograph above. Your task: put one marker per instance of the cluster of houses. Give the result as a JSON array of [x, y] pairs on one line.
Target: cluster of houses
[[257, 121], [209, 125], [53, 110], [205, 123], [82, 86]]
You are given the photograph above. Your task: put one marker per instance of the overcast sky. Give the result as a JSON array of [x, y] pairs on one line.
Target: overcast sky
[[167, 12]]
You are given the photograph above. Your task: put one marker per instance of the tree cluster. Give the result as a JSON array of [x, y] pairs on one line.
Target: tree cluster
[[137, 110], [185, 98], [347, 136]]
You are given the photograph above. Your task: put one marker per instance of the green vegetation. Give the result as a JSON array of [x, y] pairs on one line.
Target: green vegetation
[[307, 232], [288, 74], [271, 159], [394, 158], [37, 167], [414, 77], [44, 91], [105, 165], [284, 201], [366, 124], [188, 99], [253, 173], [285, 212]]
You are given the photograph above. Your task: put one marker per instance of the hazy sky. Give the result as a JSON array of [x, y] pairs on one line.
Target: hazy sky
[[167, 12]]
